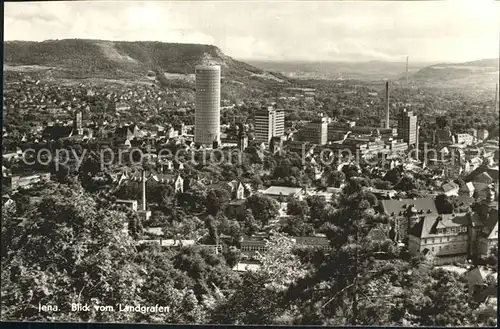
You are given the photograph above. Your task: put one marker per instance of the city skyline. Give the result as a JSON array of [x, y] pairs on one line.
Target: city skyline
[[450, 31]]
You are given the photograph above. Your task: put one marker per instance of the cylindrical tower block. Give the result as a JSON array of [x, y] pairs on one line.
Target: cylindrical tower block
[[207, 114]]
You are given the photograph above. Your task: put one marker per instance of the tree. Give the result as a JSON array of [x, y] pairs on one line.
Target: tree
[[217, 199], [442, 122], [355, 292], [297, 226], [393, 176], [231, 228], [83, 255], [317, 205], [211, 225], [263, 208], [296, 207], [336, 178], [350, 171], [134, 225], [407, 183], [382, 184], [492, 258], [233, 256], [258, 298], [443, 204], [251, 226], [436, 298]]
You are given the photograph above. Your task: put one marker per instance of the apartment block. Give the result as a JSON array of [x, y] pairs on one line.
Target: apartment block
[[268, 123]]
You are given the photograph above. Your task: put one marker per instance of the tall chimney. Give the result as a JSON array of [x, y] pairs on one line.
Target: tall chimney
[[143, 190], [387, 125]]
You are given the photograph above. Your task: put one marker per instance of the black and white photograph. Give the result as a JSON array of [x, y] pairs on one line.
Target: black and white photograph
[[330, 163]]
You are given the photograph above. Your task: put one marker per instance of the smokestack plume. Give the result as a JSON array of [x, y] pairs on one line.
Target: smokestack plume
[[144, 190], [387, 125]]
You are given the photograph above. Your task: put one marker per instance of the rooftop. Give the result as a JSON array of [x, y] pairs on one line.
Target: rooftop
[[428, 224], [282, 190], [398, 207]]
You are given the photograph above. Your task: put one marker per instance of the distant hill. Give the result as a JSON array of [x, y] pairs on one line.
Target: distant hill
[[81, 58], [367, 70], [481, 73]]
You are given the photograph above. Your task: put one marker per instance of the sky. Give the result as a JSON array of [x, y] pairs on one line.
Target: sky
[[426, 31]]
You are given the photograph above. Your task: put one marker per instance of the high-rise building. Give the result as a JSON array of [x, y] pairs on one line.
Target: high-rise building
[[268, 122], [315, 132], [207, 114], [77, 123], [387, 109], [407, 127]]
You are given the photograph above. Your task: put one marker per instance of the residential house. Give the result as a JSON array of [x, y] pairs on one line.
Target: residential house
[[379, 233], [406, 212], [313, 241], [466, 190], [465, 139], [169, 243], [488, 237], [16, 182], [444, 237], [450, 188], [251, 245], [175, 180], [12, 155], [239, 191], [482, 283], [443, 136], [247, 265], [482, 177], [131, 204], [283, 192], [482, 134]]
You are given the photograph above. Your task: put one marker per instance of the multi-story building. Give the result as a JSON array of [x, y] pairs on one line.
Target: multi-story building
[[207, 114], [396, 146], [77, 124], [131, 204], [442, 137], [268, 123], [444, 238], [407, 127], [448, 238], [335, 135], [465, 139], [16, 182], [406, 212], [313, 241], [488, 236], [315, 132]]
